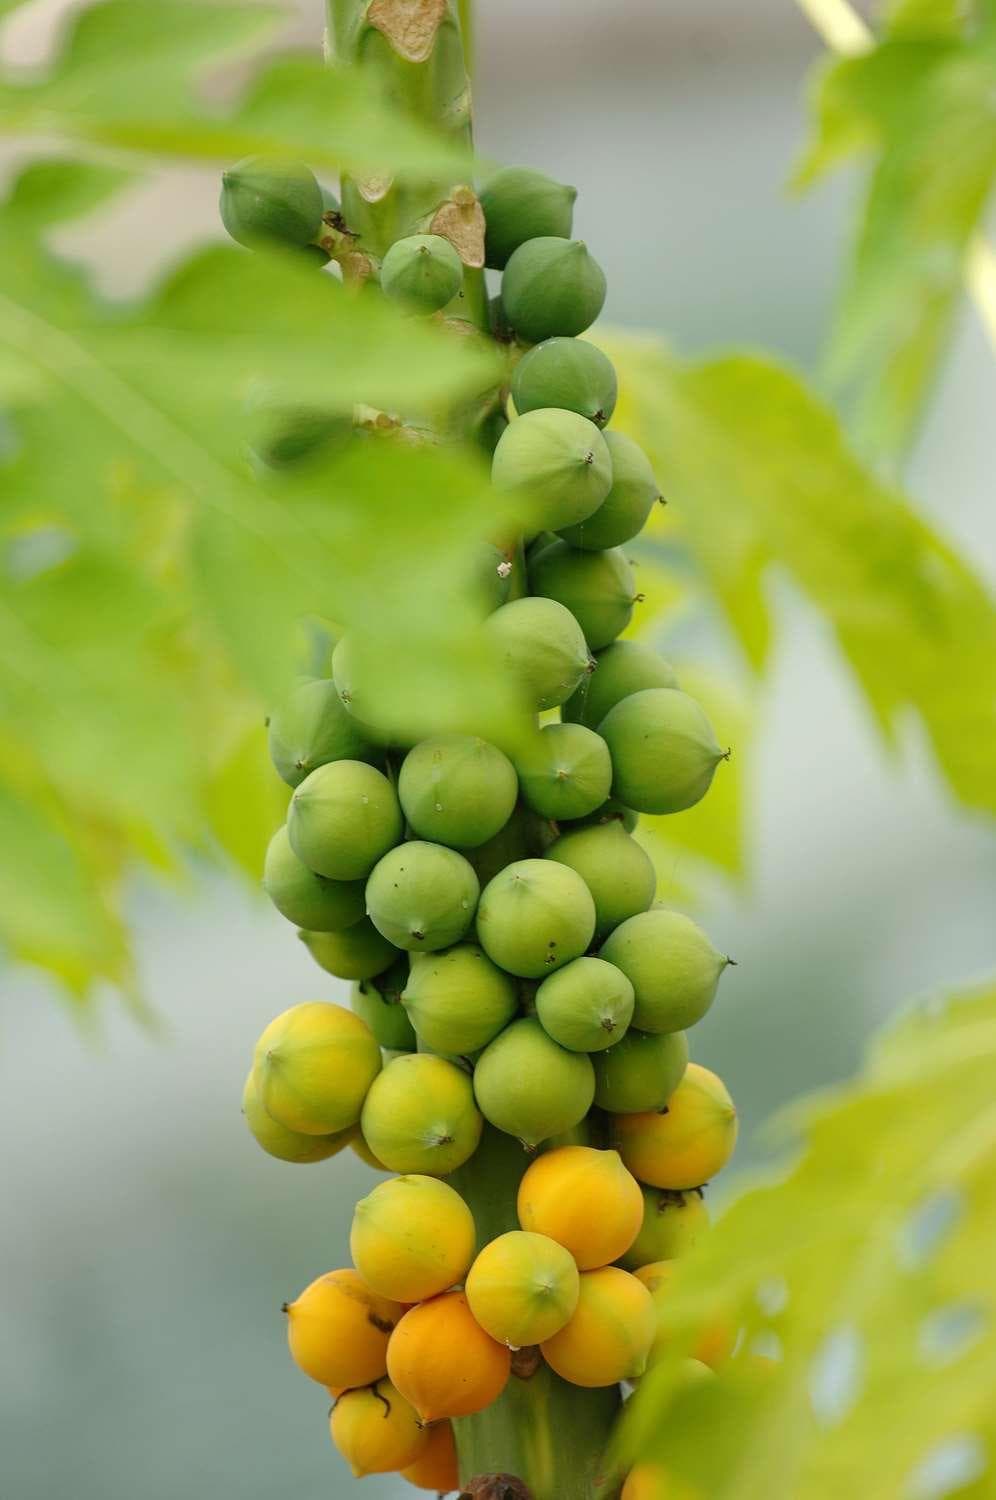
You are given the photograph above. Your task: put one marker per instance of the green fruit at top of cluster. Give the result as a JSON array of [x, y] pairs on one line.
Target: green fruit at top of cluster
[[664, 750], [422, 896], [623, 668], [640, 1072], [529, 1087], [458, 1001], [585, 1006], [624, 511], [617, 870], [672, 1223], [569, 373], [559, 459], [542, 646], [269, 199], [342, 818], [520, 204], [457, 789], [288, 1145], [419, 1116], [534, 917], [304, 898], [672, 965], [357, 952], [313, 1066], [422, 270], [598, 588], [552, 286], [312, 728], [378, 1002], [564, 771]]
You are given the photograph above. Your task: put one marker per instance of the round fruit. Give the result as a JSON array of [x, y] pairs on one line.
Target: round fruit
[[672, 1223], [436, 1466], [422, 896], [421, 1116], [542, 645], [376, 1430], [378, 1002], [412, 1237], [520, 204], [287, 1145], [640, 1072], [529, 1087], [585, 1200], [443, 1362], [267, 199], [598, 588], [671, 964], [456, 789], [343, 817], [338, 1330], [623, 668], [359, 1146], [564, 771], [617, 870], [624, 511], [559, 459], [459, 1000], [688, 1144], [663, 749], [422, 270], [534, 917], [522, 1288], [313, 728], [304, 898], [313, 1067], [359, 952], [609, 1337], [552, 286], [585, 1006], [572, 374]]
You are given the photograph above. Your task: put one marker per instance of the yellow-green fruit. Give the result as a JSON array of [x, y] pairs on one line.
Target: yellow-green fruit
[[342, 818], [287, 1145], [609, 1337], [534, 917], [672, 1223], [624, 511], [617, 870], [304, 898], [585, 1006], [559, 460], [338, 1330], [412, 1237], [528, 1086], [376, 1430], [689, 1144], [570, 373], [542, 647], [313, 728], [458, 1001], [442, 1360], [358, 952], [671, 964], [552, 286], [313, 1067], [564, 771], [585, 1200], [509, 844], [436, 1466], [422, 270], [641, 1072], [270, 199], [522, 1288], [664, 751], [360, 1148], [378, 1002], [421, 1117], [599, 588], [422, 896], [623, 668], [457, 789], [519, 204]]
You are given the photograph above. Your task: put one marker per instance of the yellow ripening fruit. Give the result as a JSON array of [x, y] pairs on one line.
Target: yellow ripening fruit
[[338, 1330], [584, 1199], [287, 1145], [313, 1066], [376, 1430], [609, 1337], [436, 1466], [443, 1362], [412, 1237], [689, 1142], [522, 1288]]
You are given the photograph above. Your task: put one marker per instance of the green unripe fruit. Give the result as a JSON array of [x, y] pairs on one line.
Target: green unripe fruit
[[528, 1086], [664, 751], [421, 1116], [552, 287], [564, 771], [457, 789], [611, 811], [618, 872], [520, 204], [359, 952], [287, 1145], [313, 728], [541, 644], [342, 818], [458, 1001], [286, 435], [422, 896], [585, 1006], [598, 588], [509, 844], [623, 668], [422, 270], [304, 898], [640, 1072], [672, 1223], [494, 574], [313, 1066], [572, 374], [534, 917], [672, 966], [266, 199], [624, 511], [378, 1002], [559, 459]]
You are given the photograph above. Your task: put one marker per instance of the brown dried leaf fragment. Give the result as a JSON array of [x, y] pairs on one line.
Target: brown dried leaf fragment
[[461, 221], [409, 25]]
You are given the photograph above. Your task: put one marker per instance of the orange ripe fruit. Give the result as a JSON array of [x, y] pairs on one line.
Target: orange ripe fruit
[[338, 1330], [376, 1430], [609, 1337], [584, 1199], [689, 1142], [436, 1466], [443, 1362]]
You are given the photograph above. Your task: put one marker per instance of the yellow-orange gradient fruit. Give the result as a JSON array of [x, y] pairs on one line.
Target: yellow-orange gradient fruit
[[436, 1466], [584, 1199], [713, 1344], [376, 1430], [338, 1329], [412, 1237], [522, 1288], [609, 1337], [687, 1144], [443, 1362]]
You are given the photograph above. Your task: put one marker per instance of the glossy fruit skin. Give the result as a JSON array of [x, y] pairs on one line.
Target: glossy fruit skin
[[672, 966], [358, 952], [522, 1288], [304, 898], [663, 749], [609, 1337], [623, 668], [687, 1146], [552, 287], [570, 373], [314, 1065], [623, 513], [338, 1330], [456, 789], [534, 917], [564, 771], [543, 648], [422, 270], [641, 1072], [458, 1001], [312, 728], [287, 1145], [422, 896], [376, 1430], [378, 1002], [270, 200], [584, 1199], [616, 869], [421, 1116], [672, 1224], [586, 1006], [599, 589], [412, 1237], [520, 204], [443, 1362], [528, 1086], [343, 818], [558, 460], [435, 1468]]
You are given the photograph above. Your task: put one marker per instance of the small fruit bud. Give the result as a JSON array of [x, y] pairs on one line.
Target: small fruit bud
[[520, 204], [270, 200], [423, 270]]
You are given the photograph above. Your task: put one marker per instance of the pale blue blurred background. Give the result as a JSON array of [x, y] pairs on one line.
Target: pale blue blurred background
[[146, 1245]]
